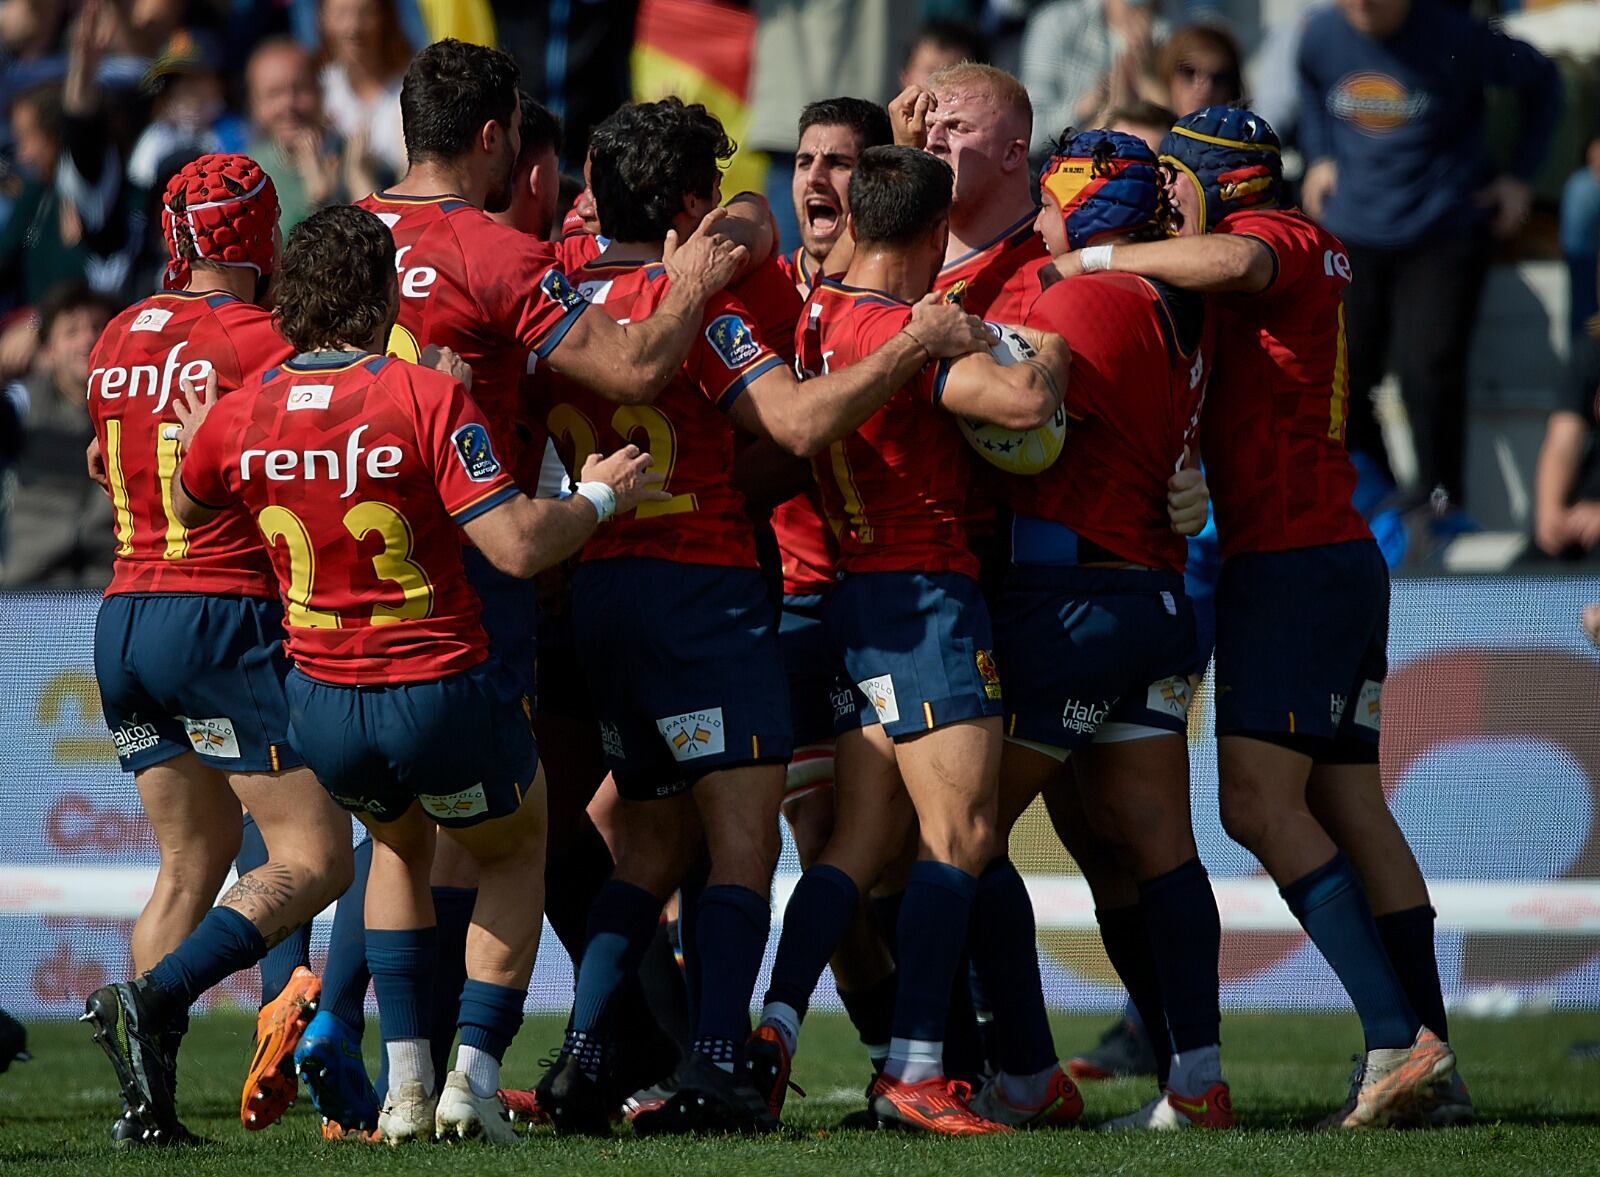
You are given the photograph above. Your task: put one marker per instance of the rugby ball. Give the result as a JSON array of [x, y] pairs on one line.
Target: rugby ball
[[1016, 451]]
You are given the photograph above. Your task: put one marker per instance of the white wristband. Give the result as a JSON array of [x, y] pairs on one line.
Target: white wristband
[[600, 496], [1095, 258]]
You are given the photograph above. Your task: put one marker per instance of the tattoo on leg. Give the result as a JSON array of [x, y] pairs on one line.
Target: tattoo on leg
[[261, 895]]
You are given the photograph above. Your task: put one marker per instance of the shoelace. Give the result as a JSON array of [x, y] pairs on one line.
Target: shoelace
[[1358, 1076]]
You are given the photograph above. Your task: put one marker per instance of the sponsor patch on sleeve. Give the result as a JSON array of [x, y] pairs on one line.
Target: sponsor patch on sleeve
[[475, 453], [733, 341], [557, 289]]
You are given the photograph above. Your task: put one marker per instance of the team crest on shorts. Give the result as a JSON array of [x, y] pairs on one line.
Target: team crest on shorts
[[476, 454], [557, 289], [693, 734], [1169, 696], [990, 673], [466, 803], [1369, 706], [880, 697], [731, 338], [213, 738]]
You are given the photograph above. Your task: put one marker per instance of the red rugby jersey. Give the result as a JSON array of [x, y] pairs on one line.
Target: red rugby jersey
[[800, 270], [358, 470], [1274, 432], [1133, 402], [895, 490], [686, 427], [578, 248], [482, 289], [1000, 278], [133, 377]]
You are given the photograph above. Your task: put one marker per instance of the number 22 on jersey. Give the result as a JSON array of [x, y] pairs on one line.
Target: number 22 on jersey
[[580, 434]]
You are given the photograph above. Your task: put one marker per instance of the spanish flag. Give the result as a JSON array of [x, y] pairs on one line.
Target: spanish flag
[[700, 51]]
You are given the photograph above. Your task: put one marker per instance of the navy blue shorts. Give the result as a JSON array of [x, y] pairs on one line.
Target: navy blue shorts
[[1088, 648], [510, 615], [917, 649], [186, 672], [812, 666], [462, 745], [684, 668], [1302, 643]]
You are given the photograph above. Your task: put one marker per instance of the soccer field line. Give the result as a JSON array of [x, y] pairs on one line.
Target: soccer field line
[[1551, 907]]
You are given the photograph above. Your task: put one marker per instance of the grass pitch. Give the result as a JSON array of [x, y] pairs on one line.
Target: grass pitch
[[1539, 1113]]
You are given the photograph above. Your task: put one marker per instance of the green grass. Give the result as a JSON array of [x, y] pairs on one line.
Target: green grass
[[1539, 1113]]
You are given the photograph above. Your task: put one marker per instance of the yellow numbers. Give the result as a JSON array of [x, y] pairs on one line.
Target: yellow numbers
[[847, 488], [281, 523], [659, 439], [177, 537], [394, 563], [1341, 385]]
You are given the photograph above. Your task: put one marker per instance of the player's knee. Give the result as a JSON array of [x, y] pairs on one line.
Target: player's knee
[[968, 844], [1247, 812]]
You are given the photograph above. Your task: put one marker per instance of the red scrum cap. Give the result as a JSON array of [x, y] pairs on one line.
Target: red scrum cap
[[226, 208]]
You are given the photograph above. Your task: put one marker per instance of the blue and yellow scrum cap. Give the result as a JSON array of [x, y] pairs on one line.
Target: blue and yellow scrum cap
[[1106, 184], [1232, 155]]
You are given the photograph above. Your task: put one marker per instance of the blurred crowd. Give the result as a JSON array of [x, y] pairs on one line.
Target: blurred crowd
[[1424, 135]]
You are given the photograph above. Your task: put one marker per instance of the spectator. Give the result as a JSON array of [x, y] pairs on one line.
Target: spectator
[[1392, 126], [1147, 120], [69, 218], [59, 527], [365, 55], [1200, 66], [1566, 483], [187, 106], [1080, 55], [940, 43], [289, 134]]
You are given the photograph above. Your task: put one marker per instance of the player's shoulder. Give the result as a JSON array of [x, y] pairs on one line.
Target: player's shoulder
[[771, 284], [1288, 227], [577, 249]]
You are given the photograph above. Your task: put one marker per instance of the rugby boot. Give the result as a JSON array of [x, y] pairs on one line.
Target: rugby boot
[[464, 1115], [407, 1115], [1123, 1053], [137, 1039], [1453, 1103], [702, 1098], [937, 1105], [328, 1058], [575, 1104], [1060, 1108], [13, 1042], [1394, 1086], [767, 1061], [271, 1084], [1171, 1112], [522, 1105]]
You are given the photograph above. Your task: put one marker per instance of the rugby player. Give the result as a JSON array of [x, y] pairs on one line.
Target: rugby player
[[833, 134], [696, 732], [188, 658], [1303, 600], [917, 706], [1094, 628], [354, 466]]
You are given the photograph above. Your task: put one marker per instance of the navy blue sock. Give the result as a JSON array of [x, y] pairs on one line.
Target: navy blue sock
[[931, 936], [1333, 909], [1180, 918], [490, 1016], [690, 893], [1408, 938], [1127, 943], [871, 1010], [452, 908], [622, 925], [294, 949], [819, 914], [402, 964], [1005, 952], [344, 975], [224, 943], [731, 928], [886, 911]]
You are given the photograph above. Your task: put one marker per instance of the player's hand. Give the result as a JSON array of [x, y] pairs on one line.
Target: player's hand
[[1068, 265], [630, 475], [1187, 498], [707, 261], [1511, 200], [945, 329], [1591, 622], [193, 404], [442, 359], [908, 115], [94, 462], [1318, 185]]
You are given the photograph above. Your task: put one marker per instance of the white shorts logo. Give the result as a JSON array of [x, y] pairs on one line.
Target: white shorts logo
[[880, 697], [1336, 706], [1369, 705], [212, 737], [309, 396], [149, 319], [1084, 718], [134, 737], [611, 741], [693, 734], [466, 803], [1169, 696]]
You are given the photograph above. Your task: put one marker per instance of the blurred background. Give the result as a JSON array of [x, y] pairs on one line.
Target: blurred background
[[1475, 361]]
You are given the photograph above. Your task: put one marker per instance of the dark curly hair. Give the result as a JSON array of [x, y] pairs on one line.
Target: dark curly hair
[[646, 158], [450, 90], [334, 280]]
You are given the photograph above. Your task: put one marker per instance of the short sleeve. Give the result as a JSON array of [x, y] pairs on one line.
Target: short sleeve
[[524, 288], [876, 330], [1292, 245], [729, 354], [209, 459], [455, 442]]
